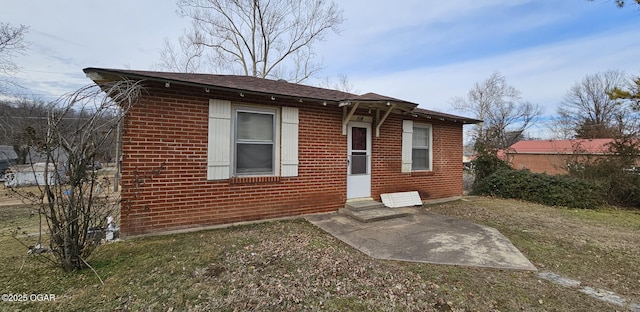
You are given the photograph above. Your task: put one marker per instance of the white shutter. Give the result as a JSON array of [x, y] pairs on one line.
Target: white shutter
[[407, 145], [219, 144], [289, 143]]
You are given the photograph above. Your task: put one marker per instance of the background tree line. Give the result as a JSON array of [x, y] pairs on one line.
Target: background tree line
[[22, 123], [601, 105]]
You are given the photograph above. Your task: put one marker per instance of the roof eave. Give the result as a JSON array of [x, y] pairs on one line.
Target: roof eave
[[101, 75], [455, 119]]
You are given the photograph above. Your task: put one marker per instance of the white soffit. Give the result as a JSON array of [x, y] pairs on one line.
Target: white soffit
[[402, 199]]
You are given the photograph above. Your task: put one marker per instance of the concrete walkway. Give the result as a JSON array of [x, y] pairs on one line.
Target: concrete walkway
[[424, 236]]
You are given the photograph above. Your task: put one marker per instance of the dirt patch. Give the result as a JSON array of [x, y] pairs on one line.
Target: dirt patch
[[8, 201], [8, 197]]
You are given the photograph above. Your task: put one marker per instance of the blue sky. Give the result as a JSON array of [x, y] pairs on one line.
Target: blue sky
[[421, 51]]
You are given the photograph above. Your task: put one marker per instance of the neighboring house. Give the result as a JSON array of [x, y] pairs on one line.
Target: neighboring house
[[57, 155], [200, 150], [553, 156], [8, 157], [34, 170], [34, 174]]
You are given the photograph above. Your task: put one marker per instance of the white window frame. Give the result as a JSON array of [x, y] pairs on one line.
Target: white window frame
[[428, 148], [276, 138]]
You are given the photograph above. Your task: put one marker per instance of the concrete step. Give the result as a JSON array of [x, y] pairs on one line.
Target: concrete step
[[363, 205], [373, 214]]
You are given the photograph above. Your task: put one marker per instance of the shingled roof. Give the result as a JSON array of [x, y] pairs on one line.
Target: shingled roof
[[278, 88], [233, 82]]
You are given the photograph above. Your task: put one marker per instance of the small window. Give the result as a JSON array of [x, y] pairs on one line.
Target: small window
[[421, 148], [254, 144]]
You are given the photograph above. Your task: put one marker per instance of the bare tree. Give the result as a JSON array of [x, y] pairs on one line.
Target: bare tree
[[589, 111], [505, 115], [260, 38], [342, 84], [559, 130], [73, 197], [19, 120], [12, 44], [184, 58]]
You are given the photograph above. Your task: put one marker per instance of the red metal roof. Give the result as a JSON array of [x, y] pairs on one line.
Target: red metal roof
[[585, 146]]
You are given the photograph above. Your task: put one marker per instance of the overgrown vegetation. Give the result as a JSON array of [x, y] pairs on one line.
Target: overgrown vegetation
[[72, 198], [592, 181], [618, 172], [604, 105], [541, 188], [486, 162]]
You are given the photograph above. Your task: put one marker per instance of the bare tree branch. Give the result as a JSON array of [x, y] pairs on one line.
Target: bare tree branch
[[589, 112], [342, 84], [186, 58], [12, 44], [73, 198], [501, 108], [260, 38]]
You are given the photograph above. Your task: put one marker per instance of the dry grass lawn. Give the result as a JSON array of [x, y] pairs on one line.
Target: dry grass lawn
[[292, 265]]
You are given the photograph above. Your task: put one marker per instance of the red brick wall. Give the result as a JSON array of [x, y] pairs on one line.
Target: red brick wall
[[445, 180], [540, 163], [164, 185], [553, 164]]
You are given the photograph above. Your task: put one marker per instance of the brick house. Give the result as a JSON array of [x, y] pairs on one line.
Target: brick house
[[200, 150], [553, 156]]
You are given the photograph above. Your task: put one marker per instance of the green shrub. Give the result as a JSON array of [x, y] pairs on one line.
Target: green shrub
[[541, 188], [617, 172], [622, 187], [486, 163]]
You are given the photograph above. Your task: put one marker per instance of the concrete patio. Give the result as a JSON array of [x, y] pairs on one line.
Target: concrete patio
[[423, 236]]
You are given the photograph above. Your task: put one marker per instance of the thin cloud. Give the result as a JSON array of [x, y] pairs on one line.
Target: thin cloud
[[422, 51], [542, 73]]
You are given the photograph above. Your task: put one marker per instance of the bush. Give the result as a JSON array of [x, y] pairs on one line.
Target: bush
[[624, 190], [486, 163], [541, 188], [618, 172]]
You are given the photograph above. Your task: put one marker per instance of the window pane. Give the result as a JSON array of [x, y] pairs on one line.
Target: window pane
[[421, 137], [254, 158], [420, 159], [254, 126], [358, 139], [359, 163]]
